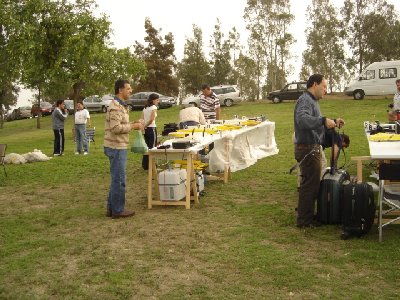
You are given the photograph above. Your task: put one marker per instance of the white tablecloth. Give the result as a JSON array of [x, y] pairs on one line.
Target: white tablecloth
[[245, 147], [237, 149]]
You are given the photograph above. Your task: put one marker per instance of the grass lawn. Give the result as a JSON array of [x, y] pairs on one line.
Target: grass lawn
[[240, 242]]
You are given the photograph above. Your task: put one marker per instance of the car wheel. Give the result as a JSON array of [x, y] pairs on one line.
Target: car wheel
[[130, 107], [358, 95], [228, 102], [276, 100], [104, 109]]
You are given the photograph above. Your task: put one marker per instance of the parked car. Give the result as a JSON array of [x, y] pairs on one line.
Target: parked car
[[376, 79], [227, 95], [138, 100], [69, 104], [95, 103], [24, 112], [45, 109], [291, 91], [19, 113], [13, 115]]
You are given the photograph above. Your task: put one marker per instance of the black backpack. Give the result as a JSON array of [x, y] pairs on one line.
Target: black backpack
[[170, 127]]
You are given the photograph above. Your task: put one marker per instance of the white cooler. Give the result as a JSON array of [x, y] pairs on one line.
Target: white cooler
[[172, 184]]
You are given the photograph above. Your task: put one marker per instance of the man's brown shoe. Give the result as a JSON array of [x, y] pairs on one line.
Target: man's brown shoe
[[109, 213], [124, 214]]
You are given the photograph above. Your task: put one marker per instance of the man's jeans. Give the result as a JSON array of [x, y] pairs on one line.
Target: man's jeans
[[81, 139], [116, 195]]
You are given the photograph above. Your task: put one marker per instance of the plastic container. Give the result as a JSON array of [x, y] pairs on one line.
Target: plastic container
[[172, 184]]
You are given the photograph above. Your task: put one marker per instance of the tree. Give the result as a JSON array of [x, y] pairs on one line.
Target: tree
[[193, 70], [361, 21], [158, 55], [381, 39], [221, 68], [9, 57], [45, 33], [324, 54], [66, 51], [246, 79], [235, 50], [269, 40]]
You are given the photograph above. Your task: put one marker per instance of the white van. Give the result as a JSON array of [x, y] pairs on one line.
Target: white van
[[376, 79]]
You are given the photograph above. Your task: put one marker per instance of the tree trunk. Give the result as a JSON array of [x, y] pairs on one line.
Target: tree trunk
[[1, 117], [40, 112], [77, 87]]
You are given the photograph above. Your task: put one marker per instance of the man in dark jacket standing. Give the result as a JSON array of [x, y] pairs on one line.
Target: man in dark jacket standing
[[58, 117], [309, 127]]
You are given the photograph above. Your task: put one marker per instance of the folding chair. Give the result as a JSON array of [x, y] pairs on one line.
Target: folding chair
[[389, 194], [3, 148], [90, 132]]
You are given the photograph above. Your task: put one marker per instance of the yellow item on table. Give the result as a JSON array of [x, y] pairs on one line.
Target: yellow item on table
[[228, 127], [384, 137], [198, 165], [250, 122], [178, 134], [207, 130]]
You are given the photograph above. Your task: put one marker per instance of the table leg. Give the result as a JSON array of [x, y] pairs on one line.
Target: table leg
[[188, 180], [193, 183], [150, 182]]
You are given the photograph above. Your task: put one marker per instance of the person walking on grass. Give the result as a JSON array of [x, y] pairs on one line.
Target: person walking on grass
[[58, 117], [149, 116], [116, 142], [309, 127], [82, 117]]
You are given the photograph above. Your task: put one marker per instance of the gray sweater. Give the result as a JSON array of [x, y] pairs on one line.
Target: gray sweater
[[58, 118], [308, 122]]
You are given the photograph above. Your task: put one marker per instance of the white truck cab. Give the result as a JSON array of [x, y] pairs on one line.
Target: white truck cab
[[376, 79]]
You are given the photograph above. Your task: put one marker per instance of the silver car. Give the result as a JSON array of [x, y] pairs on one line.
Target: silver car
[[138, 100], [227, 95], [95, 103]]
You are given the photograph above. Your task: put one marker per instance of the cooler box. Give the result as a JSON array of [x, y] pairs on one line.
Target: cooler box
[[172, 184]]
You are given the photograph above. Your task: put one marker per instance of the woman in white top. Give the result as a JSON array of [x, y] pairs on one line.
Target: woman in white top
[[149, 116]]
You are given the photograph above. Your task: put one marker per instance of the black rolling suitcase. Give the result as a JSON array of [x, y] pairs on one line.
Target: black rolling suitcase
[[358, 209], [329, 203]]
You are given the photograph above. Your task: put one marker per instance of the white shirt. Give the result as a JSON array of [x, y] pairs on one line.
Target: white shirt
[[396, 101], [81, 116], [192, 114], [147, 115]]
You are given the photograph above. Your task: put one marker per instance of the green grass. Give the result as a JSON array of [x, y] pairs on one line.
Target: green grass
[[240, 242]]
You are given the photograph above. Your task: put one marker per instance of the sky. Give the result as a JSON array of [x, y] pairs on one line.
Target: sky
[[178, 16]]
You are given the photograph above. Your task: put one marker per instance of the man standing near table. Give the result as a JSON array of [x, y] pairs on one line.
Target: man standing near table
[[116, 142], [209, 104], [309, 127], [392, 114]]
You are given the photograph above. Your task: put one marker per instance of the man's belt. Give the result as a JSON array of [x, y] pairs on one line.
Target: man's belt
[[306, 146]]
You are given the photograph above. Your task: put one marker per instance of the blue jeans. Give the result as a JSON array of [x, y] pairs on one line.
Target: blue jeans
[[81, 139], [116, 195]]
